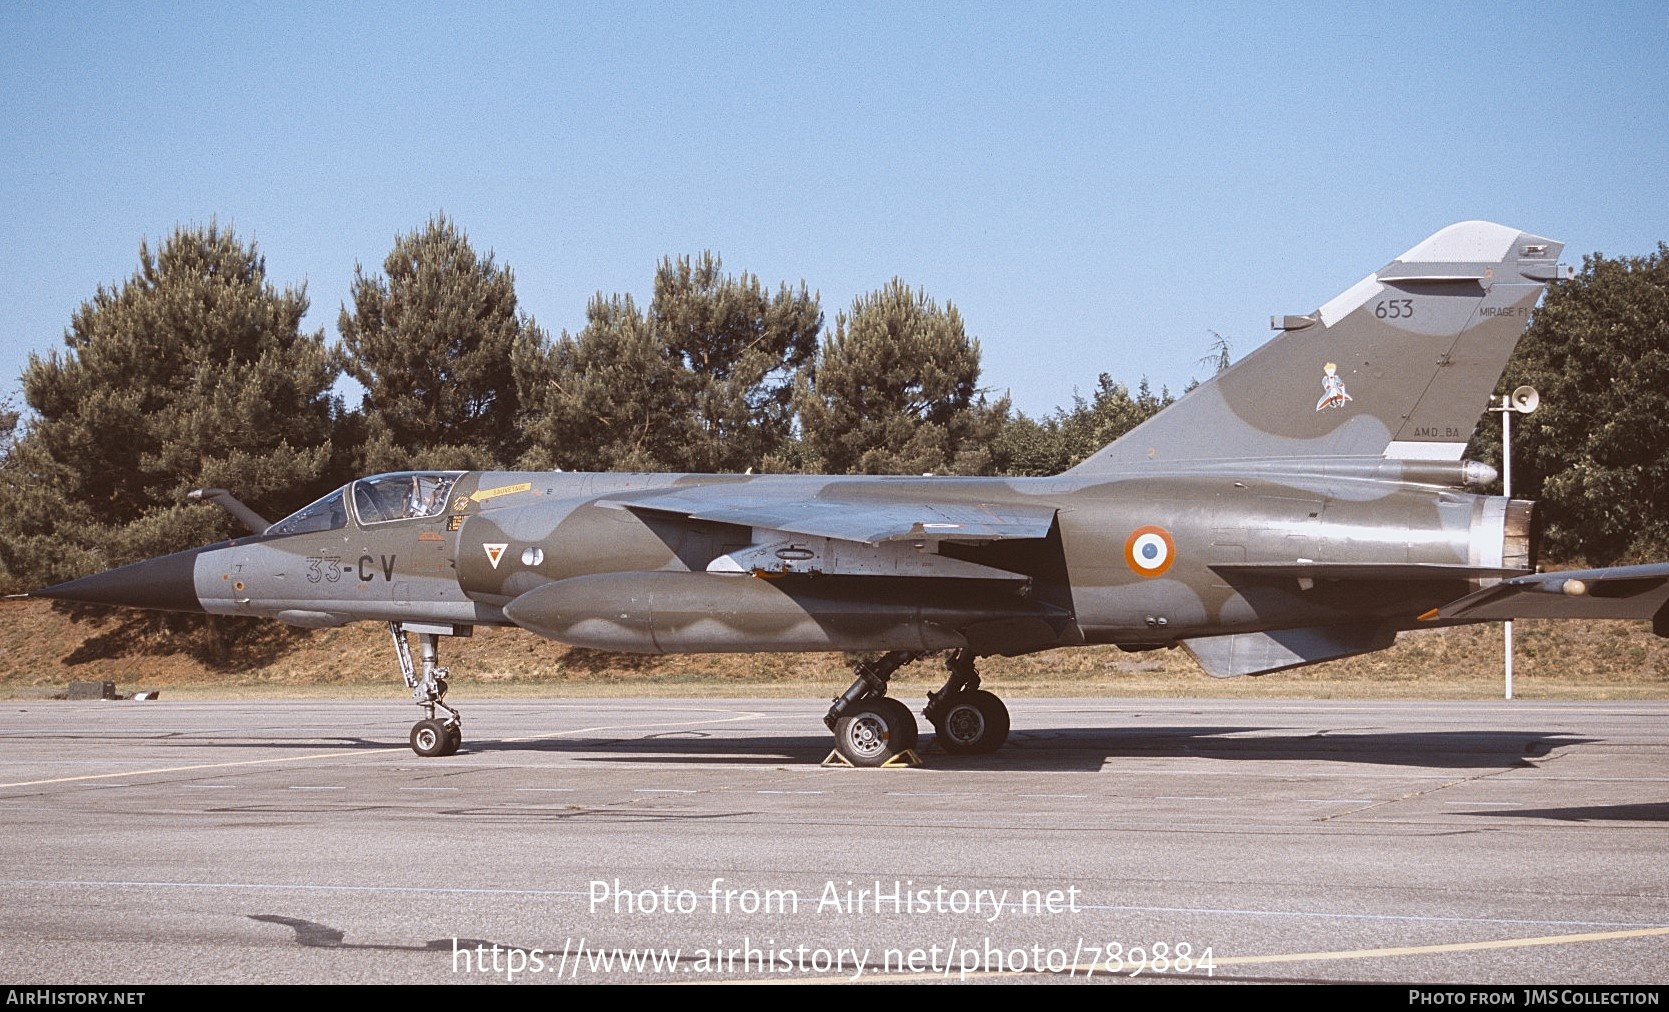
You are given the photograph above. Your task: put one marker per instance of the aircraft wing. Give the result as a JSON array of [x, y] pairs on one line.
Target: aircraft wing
[[865, 522], [1620, 592]]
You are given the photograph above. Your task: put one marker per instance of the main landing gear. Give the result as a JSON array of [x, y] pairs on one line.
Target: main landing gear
[[969, 720], [871, 728], [432, 736]]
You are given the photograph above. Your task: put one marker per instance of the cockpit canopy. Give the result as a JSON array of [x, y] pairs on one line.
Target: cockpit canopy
[[380, 499]]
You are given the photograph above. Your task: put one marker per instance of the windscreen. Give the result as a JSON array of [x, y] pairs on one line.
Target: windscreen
[[327, 514], [404, 496]]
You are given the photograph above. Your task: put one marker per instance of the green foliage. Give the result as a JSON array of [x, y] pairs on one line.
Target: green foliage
[[10, 430], [1596, 453], [737, 349], [1053, 444], [194, 373], [432, 341], [9, 419], [702, 382], [895, 390], [595, 402]]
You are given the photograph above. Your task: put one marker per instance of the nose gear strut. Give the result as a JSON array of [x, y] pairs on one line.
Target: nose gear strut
[[432, 736]]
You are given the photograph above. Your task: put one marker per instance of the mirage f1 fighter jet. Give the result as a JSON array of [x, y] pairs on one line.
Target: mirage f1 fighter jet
[[1308, 503]]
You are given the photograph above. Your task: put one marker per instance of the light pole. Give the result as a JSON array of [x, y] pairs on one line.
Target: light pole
[[1520, 402]]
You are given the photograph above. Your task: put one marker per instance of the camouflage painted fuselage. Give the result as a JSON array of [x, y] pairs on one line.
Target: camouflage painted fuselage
[[589, 559]]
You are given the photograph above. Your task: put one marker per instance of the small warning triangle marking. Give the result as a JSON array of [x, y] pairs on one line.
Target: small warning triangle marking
[[495, 552]]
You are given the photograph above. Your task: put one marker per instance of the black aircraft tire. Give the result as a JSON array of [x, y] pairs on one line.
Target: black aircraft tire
[[871, 733], [975, 723], [900, 717], [429, 738], [454, 739]]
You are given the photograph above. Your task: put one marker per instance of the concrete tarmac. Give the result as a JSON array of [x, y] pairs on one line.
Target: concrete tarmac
[[697, 841]]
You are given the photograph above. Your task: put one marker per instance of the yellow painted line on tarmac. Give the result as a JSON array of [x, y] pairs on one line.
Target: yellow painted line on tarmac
[[1097, 970], [751, 715], [1420, 950]]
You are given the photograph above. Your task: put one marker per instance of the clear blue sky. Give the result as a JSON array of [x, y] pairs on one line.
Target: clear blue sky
[[1096, 187]]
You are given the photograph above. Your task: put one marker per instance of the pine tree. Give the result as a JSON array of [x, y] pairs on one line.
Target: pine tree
[[896, 390], [432, 341], [738, 349], [702, 382], [194, 373], [10, 430], [1052, 444], [597, 402]]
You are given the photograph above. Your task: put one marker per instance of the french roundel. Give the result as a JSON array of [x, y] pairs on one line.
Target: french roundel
[[1150, 550]]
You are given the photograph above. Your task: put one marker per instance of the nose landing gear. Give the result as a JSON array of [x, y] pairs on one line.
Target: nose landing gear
[[431, 736]]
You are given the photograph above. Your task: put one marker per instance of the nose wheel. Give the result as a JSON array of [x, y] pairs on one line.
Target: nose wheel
[[432, 737]]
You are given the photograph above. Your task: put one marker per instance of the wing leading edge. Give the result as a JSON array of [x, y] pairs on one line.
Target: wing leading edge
[[868, 523]]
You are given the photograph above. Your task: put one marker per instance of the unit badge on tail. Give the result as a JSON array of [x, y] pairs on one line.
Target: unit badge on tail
[[1333, 393]]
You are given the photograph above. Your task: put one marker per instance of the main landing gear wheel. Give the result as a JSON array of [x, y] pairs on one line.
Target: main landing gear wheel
[[435, 738], [899, 716], [967, 719], [874, 731], [974, 722], [870, 727]]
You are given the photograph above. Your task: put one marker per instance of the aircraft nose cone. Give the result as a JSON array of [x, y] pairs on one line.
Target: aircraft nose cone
[[164, 583]]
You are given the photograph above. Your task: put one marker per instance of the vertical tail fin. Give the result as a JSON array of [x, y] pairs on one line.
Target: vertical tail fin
[[1402, 364]]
